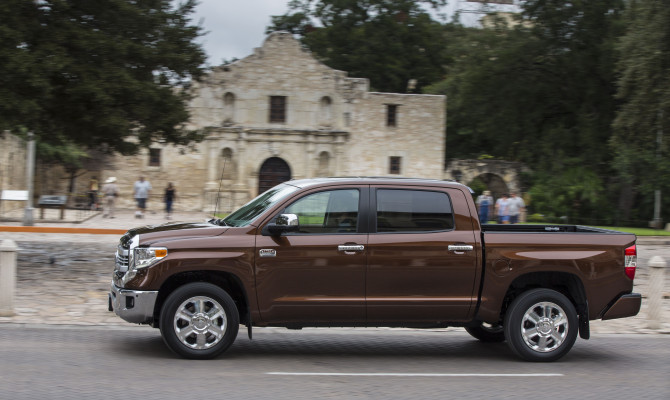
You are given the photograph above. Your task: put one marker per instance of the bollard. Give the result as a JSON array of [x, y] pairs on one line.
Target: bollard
[[7, 277], [656, 285]]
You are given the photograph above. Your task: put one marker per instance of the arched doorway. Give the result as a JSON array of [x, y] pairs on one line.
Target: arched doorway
[[494, 183], [273, 172]]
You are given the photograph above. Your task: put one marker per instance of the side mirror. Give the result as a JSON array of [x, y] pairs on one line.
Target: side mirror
[[283, 223]]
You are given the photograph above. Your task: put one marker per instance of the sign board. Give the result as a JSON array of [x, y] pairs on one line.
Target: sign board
[[21, 195], [52, 200]]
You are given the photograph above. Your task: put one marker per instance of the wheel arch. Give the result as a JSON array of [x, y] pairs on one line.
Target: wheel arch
[[568, 284], [225, 280]]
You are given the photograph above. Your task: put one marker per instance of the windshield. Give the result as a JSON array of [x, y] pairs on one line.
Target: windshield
[[250, 211]]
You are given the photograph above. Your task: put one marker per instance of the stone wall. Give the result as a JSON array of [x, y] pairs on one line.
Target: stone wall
[[12, 168]]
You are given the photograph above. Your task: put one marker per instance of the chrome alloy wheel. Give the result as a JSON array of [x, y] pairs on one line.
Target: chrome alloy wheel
[[200, 322], [544, 327]]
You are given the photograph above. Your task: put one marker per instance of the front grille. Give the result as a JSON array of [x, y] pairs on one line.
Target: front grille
[[122, 256]]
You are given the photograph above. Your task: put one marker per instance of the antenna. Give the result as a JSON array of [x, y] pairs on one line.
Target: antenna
[[218, 194]]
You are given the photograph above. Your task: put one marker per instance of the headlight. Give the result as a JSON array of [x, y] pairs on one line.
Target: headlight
[[143, 257]]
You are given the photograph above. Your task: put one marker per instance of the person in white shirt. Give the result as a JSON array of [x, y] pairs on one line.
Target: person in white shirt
[[515, 205], [141, 191], [110, 191], [501, 210]]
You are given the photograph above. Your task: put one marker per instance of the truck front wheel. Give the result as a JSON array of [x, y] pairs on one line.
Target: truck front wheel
[[541, 325], [199, 321]]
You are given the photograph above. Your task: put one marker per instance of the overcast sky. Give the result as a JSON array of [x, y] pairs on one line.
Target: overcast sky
[[236, 27]]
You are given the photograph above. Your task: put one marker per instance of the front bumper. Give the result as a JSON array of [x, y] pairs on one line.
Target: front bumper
[[134, 306], [627, 305]]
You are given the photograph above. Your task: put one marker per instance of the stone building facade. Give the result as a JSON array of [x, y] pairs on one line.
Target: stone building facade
[[280, 114]]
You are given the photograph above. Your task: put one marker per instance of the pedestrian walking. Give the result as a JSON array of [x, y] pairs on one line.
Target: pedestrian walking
[[515, 206], [93, 194], [110, 191], [141, 191], [501, 210], [484, 203], [170, 196]]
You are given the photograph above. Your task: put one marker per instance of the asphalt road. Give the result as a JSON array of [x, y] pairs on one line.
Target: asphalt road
[[106, 362]]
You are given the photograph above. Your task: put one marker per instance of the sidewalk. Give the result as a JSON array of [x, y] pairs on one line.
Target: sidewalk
[[64, 270], [86, 220]]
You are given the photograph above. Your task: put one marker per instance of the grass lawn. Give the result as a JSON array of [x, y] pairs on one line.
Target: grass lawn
[[638, 231]]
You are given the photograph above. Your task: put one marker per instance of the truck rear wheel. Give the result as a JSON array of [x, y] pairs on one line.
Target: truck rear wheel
[[541, 325], [199, 321]]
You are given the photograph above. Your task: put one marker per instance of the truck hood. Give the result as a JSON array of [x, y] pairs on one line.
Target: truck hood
[[174, 230]]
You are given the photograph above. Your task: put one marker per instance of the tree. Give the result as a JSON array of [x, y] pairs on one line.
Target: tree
[[106, 74], [22, 73], [389, 42], [541, 92], [642, 124]]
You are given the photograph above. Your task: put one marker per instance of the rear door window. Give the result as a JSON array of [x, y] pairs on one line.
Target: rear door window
[[400, 210]]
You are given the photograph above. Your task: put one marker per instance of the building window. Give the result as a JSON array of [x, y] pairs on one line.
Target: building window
[[394, 165], [154, 157], [228, 107], [227, 164], [347, 119], [324, 161], [278, 109], [391, 114], [325, 113]]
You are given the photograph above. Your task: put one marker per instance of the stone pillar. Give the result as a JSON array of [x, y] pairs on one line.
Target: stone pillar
[[655, 297], [212, 163], [339, 153], [240, 179], [309, 164], [8, 250]]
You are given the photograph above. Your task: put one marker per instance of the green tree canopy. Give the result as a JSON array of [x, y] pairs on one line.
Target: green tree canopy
[[540, 92], [642, 124], [105, 74], [389, 42]]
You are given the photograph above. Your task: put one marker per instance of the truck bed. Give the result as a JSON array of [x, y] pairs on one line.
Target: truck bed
[[522, 228]]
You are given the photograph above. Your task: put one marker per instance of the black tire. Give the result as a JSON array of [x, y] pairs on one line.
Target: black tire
[[487, 333], [541, 325], [199, 321]]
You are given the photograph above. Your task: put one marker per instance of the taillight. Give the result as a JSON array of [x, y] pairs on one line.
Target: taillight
[[630, 261]]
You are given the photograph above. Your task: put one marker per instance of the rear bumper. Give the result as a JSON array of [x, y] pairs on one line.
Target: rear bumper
[[626, 305]]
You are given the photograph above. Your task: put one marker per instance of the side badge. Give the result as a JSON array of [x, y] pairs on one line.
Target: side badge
[[267, 253]]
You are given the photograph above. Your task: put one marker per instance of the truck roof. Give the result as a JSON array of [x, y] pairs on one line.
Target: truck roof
[[374, 180]]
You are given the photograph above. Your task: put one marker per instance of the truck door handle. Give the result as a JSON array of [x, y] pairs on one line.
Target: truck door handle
[[351, 247], [460, 247]]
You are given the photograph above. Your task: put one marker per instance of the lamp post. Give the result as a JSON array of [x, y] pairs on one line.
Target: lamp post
[[30, 172]]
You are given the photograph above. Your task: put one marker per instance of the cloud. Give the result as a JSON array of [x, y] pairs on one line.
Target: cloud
[[235, 27]]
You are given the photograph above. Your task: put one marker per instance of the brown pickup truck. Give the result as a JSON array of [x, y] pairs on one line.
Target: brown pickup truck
[[372, 252]]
